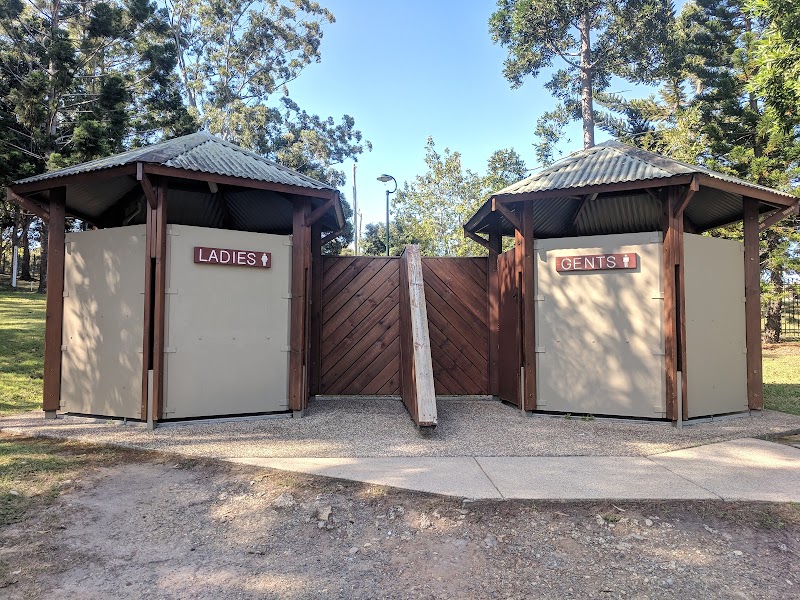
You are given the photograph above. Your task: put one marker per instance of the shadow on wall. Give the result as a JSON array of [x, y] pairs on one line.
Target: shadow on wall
[[599, 333], [103, 322]]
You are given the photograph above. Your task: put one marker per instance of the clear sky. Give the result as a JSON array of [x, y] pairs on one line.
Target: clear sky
[[413, 69]]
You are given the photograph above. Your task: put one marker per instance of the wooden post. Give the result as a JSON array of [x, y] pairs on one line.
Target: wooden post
[[752, 306], [297, 318], [159, 300], [316, 309], [55, 303], [529, 309], [493, 290], [147, 333], [674, 307]]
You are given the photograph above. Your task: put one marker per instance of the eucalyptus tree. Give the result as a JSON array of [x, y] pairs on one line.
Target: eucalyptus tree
[[591, 41]]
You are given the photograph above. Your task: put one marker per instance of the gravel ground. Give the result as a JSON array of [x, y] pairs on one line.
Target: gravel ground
[[152, 529], [350, 427]]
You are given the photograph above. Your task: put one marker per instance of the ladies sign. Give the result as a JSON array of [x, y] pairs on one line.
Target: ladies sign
[[596, 262], [233, 258]]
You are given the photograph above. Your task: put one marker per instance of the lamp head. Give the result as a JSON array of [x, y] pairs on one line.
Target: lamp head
[[385, 178]]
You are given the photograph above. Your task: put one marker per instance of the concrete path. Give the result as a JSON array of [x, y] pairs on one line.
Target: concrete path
[[745, 469]]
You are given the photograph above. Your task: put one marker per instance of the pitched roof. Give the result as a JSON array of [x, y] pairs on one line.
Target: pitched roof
[[615, 162], [201, 152], [605, 189]]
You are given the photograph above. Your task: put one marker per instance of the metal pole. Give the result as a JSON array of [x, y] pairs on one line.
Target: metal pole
[[355, 213], [387, 222]]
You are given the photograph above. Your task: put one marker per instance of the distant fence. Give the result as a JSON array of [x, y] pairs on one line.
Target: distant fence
[[790, 313]]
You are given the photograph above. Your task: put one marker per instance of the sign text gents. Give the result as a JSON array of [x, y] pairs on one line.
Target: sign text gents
[[597, 262], [233, 258]]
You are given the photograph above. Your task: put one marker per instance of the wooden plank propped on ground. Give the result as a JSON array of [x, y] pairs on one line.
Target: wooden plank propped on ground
[[416, 365]]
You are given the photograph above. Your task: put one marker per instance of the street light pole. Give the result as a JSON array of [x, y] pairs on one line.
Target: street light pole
[[385, 179]]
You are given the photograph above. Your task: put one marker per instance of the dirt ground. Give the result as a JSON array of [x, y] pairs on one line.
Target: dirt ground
[[154, 526]]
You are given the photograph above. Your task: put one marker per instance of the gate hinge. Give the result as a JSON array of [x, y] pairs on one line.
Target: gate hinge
[[540, 349], [287, 241], [170, 349], [539, 297], [658, 296], [63, 347], [172, 230], [286, 348], [287, 296], [659, 352], [171, 291]]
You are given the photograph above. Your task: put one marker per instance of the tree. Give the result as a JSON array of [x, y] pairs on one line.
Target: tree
[[431, 210], [236, 59], [777, 59], [709, 112], [593, 40]]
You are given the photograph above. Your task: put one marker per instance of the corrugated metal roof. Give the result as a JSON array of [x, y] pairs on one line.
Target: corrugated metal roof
[[617, 210], [201, 152], [614, 162]]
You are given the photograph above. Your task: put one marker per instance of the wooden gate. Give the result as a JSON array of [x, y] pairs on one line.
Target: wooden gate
[[458, 314], [360, 339], [510, 351], [360, 326]]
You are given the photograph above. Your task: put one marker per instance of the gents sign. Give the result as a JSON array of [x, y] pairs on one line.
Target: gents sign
[[596, 262], [233, 258]]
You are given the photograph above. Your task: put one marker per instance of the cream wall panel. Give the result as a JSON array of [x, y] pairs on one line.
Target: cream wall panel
[[227, 328], [101, 366], [716, 365], [599, 333]]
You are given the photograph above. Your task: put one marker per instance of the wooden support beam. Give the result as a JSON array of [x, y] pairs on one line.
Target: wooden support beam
[[604, 188], [159, 300], [528, 310], [674, 307], [240, 181], [332, 236], [584, 201], [478, 239], [297, 319], [54, 315], [316, 310], [320, 212], [67, 180], [765, 195], [148, 305], [507, 213], [149, 190], [752, 304], [493, 300], [694, 186], [28, 204], [777, 216]]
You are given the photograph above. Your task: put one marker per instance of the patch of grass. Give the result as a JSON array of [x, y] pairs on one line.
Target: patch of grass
[[21, 351], [34, 471], [782, 377]]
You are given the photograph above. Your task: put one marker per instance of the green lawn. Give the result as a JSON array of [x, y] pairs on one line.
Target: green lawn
[[782, 377], [22, 348]]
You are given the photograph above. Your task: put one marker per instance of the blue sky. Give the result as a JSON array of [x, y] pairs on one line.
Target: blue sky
[[413, 69]]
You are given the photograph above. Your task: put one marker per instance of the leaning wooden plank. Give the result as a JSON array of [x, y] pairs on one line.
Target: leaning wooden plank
[[416, 373]]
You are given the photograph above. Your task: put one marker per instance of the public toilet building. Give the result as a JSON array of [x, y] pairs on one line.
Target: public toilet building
[[201, 290]]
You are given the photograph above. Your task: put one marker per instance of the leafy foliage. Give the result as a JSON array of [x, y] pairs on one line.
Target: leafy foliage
[[431, 210], [592, 41]]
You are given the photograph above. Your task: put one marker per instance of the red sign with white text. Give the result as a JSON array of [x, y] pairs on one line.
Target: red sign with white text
[[597, 262], [233, 258]]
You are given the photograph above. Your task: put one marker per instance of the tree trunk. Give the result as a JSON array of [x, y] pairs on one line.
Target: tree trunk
[[43, 261], [587, 106], [776, 266], [25, 263]]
